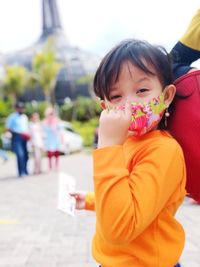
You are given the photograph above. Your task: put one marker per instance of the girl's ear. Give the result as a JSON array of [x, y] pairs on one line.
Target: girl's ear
[[103, 104], [169, 93]]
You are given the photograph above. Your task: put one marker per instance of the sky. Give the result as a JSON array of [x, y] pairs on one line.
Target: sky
[[97, 25]]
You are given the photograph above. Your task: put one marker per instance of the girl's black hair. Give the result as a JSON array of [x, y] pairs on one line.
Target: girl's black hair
[[138, 53]]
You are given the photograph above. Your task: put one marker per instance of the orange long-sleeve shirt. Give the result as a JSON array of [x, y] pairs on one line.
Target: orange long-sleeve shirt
[[138, 188]]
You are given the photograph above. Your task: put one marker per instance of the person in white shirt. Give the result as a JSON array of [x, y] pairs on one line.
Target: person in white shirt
[[17, 124]]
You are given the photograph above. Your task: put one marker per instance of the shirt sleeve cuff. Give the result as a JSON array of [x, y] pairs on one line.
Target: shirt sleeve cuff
[[90, 201]]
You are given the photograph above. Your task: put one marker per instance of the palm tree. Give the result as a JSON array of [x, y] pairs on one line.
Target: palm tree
[[46, 69]]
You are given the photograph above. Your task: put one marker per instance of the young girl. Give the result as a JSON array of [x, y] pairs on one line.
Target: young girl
[[37, 141], [52, 131], [139, 169]]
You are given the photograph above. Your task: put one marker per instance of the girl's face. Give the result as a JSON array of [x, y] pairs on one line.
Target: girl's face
[[35, 117], [134, 85]]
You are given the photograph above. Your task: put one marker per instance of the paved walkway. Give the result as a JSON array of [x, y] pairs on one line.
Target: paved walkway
[[34, 233]]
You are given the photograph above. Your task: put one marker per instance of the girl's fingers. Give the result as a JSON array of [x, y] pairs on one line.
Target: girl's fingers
[[73, 194], [78, 195]]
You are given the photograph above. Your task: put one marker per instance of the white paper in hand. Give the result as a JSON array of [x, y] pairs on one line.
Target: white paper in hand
[[66, 184]]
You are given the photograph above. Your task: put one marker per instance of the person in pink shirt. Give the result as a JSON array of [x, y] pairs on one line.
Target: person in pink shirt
[[53, 137]]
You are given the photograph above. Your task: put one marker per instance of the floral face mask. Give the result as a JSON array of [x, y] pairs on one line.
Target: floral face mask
[[146, 116]]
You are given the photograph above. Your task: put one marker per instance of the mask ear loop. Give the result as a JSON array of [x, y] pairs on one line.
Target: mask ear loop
[[167, 114]]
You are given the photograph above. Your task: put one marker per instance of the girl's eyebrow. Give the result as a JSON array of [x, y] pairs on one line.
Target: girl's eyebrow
[[113, 89], [142, 79]]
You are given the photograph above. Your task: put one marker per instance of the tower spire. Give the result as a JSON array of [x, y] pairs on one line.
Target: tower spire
[[51, 17]]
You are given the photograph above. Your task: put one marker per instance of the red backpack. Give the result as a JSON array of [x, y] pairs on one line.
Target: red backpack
[[184, 125]]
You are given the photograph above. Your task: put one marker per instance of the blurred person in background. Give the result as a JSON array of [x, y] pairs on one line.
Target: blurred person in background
[[37, 141], [52, 137], [17, 124]]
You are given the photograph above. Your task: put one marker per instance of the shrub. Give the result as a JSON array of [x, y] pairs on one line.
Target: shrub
[[86, 130], [5, 108], [82, 109]]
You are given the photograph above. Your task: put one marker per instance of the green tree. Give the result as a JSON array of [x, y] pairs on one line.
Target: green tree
[[46, 68], [15, 81]]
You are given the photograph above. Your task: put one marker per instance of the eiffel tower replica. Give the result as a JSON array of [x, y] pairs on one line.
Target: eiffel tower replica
[[76, 63]]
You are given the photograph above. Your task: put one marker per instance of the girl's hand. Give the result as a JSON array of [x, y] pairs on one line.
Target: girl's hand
[[113, 126], [80, 199]]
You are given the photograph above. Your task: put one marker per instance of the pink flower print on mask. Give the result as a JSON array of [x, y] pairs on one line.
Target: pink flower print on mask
[[138, 124], [146, 116]]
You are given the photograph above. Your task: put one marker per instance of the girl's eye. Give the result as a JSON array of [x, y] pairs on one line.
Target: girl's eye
[[115, 97], [142, 90]]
